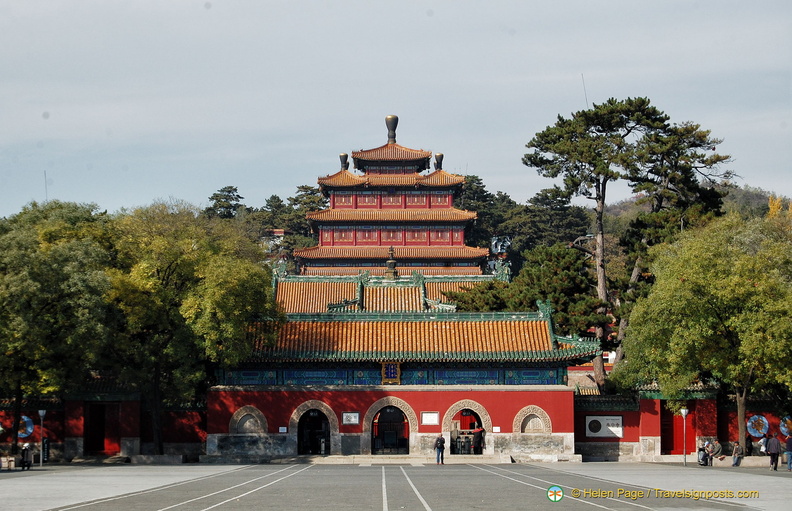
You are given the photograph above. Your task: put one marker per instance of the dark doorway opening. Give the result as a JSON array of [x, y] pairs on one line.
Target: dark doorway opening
[[102, 429], [390, 432], [463, 425], [313, 433]]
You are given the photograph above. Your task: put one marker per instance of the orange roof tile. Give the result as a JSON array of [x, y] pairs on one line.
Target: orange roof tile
[[342, 178], [434, 290], [438, 178], [441, 178], [391, 215], [393, 299], [300, 296], [400, 253], [391, 152], [430, 339]]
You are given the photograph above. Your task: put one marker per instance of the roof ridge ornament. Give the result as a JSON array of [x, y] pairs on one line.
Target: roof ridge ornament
[[344, 157], [438, 161], [390, 272], [391, 122]]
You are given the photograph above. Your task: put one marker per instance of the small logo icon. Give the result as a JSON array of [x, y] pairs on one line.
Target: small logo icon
[[555, 493]]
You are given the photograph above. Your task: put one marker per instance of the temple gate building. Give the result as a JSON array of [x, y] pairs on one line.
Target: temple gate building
[[372, 359]]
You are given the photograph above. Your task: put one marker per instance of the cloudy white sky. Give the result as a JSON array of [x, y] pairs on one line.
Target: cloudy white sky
[[123, 102]]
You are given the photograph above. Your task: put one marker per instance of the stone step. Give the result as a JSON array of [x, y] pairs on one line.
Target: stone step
[[100, 460], [365, 460]]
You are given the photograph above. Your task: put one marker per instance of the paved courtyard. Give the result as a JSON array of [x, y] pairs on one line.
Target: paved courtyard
[[581, 486]]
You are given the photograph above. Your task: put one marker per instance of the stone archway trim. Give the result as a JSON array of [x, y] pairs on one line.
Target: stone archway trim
[[412, 417], [547, 425], [233, 424], [298, 412], [486, 420]]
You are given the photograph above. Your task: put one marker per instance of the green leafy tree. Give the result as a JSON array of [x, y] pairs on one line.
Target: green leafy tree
[[53, 311], [555, 274], [491, 210], [188, 288], [674, 178], [547, 219], [225, 203], [589, 151], [306, 200], [719, 310]]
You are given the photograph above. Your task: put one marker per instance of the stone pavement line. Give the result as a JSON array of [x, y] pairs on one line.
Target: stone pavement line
[[620, 501], [256, 489], [707, 479], [224, 489], [425, 504], [149, 490], [384, 492], [543, 488]]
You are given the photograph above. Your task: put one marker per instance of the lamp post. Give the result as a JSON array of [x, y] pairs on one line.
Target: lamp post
[[684, 412], [42, 413]]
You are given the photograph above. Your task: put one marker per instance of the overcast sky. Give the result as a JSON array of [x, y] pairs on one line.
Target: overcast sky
[[121, 103]]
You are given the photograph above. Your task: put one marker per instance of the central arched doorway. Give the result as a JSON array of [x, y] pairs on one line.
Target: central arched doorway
[[313, 433], [464, 424], [390, 432]]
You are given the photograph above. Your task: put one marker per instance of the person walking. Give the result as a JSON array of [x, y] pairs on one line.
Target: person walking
[[789, 453], [478, 440], [439, 446], [737, 454], [773, 448]]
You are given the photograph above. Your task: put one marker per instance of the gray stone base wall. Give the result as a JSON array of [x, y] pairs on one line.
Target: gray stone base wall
[[147, 449], [130, 446], [73, 447], [350, 444], [251, 445], [608, 451]]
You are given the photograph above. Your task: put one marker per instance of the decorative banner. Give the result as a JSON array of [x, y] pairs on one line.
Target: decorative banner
[[757, 425], [25, 427], [786, 425]]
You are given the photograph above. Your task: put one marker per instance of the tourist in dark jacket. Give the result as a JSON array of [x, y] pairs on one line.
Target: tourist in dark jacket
[[717, 451], [789, 453], [773, 449], [737, 454]]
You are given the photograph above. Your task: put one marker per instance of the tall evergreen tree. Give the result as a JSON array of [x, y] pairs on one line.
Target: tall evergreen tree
[[590, 150]]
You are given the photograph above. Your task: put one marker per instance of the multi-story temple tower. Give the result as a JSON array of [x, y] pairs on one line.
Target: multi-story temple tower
[[391, 211]]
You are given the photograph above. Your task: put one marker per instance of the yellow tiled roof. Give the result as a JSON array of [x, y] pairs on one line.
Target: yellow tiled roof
[[434, 290], [428, 340], [301, 296], [391, 152], [345, 178], [391, 215]]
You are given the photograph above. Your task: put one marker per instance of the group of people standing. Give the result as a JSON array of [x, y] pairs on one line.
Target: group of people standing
[[769, 444]]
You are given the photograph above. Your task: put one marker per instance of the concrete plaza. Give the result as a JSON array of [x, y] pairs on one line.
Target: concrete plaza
[[408, 485]]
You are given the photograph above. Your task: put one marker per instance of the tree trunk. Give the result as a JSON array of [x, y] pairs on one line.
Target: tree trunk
[[602, 284], [624, 322], [741, 395], [17, 416]]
